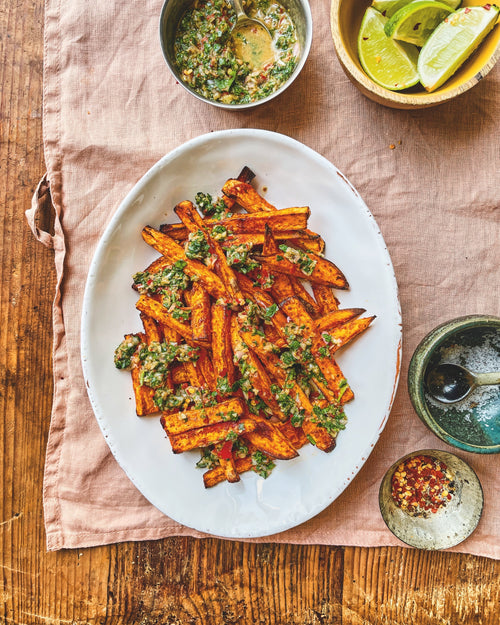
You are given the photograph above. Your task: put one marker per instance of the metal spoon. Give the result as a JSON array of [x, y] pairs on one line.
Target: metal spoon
[[252, 40], [449, 383]]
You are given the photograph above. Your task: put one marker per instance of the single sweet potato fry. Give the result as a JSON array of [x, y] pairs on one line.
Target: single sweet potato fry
[[215, 476], [186, 420], [205, 368], [151, 329], [193, 222], [305, 297], [174, 252], [341, 335], [144, 402], [325, 297], [308, 266], [246, 196], [210, 434], [318, 436], [222, 354], [268, 439], [294, 434], [329, 321], [200, 313], [157, 311], [228, 465]]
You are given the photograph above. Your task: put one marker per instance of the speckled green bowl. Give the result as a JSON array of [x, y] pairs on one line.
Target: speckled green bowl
[[473, 424]]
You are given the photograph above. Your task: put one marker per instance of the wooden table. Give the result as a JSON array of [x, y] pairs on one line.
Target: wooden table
[[178, 580]]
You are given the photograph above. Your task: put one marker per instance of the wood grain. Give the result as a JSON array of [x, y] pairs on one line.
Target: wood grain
[[179, 580]]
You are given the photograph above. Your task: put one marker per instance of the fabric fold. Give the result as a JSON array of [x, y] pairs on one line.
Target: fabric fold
[[111, 109]]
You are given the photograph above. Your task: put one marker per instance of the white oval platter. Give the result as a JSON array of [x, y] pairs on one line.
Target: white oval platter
[[289, 174]]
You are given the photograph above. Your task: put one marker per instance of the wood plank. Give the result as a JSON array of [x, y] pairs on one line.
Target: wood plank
[[400, 585]]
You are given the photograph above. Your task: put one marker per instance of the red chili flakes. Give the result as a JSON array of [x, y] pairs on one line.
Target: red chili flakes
[[466, 10], [422, 485]]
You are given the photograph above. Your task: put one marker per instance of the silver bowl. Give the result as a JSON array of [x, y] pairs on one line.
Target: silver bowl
[[173, 11], [450, 525]]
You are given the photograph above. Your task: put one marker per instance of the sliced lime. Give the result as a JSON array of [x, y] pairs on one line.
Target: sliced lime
[[389, 7], [453, 41], [391, 64], [416, 21]]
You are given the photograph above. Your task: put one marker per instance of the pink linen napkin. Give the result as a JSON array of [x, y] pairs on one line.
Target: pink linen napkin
[[430, 177]]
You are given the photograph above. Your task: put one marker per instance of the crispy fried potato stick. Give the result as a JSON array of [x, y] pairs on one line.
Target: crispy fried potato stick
[[228, 465], [306, 298], [151, 329], [245, 175], [144, 402], [345, 333], [205, 368], [292, 433]]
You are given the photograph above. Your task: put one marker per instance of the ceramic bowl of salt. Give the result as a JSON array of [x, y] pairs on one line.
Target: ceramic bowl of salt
[[472, 423]]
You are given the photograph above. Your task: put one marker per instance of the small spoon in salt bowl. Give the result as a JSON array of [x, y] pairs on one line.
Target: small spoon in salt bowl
[[449, 383], [252, 40]]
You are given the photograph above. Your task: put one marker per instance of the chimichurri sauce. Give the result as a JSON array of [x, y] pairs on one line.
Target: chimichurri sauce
[[208, 61]]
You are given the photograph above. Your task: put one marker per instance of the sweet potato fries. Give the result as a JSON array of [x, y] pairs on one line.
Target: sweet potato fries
[[236, 353]]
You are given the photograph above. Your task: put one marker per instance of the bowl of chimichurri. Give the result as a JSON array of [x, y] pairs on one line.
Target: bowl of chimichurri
[[198, 47]]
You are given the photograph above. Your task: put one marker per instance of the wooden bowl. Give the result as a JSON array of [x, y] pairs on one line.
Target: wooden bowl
[[346, 16]]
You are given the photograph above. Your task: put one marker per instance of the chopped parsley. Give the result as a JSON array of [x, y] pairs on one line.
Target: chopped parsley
[[156, 359], [208, 460], [223, 386], [175, 307], [270, 312], [210, 207], [262, 464], [171, 277], [331, 417], [300, 258], [197, 247], [238, 255], [125, 351], [219, 233]]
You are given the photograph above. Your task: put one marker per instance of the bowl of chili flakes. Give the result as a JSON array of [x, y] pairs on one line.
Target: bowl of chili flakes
[[431, 499]]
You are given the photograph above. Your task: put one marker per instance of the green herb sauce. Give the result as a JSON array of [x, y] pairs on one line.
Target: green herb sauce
[[206, 59]]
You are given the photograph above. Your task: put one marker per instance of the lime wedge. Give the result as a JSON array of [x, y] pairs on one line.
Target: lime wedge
[[453, 41], [389, 7], [391, 64], [415, 22]]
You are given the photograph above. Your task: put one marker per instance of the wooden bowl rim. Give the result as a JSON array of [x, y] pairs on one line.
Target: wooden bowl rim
[[385, 96]]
